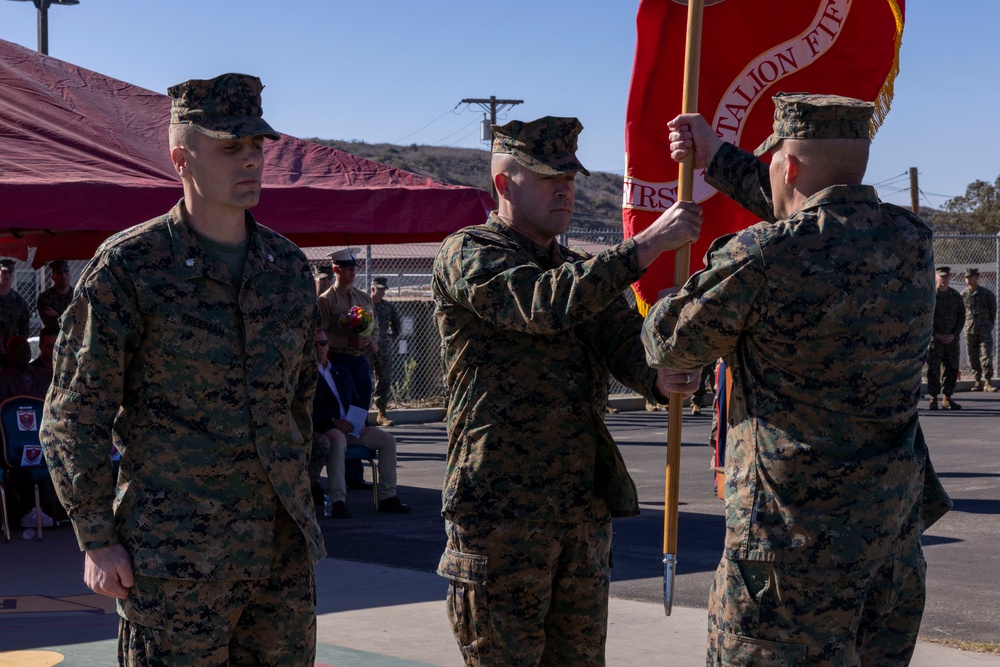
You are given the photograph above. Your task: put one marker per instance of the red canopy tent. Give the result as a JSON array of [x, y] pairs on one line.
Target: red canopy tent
[[83, 155]]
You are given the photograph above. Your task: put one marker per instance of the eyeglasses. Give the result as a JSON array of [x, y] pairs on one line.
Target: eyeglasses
[[322, 343]]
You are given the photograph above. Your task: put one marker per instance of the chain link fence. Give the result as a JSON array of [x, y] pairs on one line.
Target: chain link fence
[[417, 379], [418, 370]]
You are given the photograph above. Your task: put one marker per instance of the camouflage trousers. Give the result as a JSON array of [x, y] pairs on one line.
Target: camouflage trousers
[[382, 369], [980, 349], [940, 355], [528, 593], [779, 614], [173, 622]]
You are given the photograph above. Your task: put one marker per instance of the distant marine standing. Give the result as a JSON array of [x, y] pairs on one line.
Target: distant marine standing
[[980, 321], [53, 301], [943, 355], [14, 311], [389, 326]]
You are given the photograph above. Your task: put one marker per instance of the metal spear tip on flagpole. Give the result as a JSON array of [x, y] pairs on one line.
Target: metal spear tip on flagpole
[[669, 570]]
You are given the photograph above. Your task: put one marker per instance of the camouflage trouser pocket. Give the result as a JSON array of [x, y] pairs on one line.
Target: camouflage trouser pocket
[[742, 589], [468, 610], [144, 606], [737, 651], [140, 627], [756, 577]]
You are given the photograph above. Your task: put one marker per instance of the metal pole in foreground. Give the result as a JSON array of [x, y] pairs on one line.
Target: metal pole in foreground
[[682, 267], [43, 20]]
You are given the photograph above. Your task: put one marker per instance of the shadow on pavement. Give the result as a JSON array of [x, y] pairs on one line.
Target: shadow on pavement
[[966, 475], [934, 540], [976, 505]]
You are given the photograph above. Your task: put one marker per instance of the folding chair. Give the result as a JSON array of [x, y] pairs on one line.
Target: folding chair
[[362, 453], [20, 417]]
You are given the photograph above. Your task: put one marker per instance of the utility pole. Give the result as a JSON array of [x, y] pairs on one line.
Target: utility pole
[[914, 191], [492, 105]]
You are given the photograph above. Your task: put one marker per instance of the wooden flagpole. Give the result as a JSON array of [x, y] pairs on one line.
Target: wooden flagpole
[[682, 268]]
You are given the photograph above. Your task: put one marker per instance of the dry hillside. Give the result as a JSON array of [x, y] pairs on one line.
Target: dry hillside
[[598, 196]]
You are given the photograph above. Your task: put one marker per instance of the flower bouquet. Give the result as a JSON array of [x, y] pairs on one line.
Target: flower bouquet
[[359, 323]]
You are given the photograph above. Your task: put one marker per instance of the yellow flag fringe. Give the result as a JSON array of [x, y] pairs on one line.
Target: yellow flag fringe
[[884, 99]]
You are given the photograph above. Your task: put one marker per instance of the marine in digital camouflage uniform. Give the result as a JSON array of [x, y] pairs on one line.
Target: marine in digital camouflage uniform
[[822, 312], [52, 302], [189, 346], [530, 330], [381, 360], [14, 311], [980, 320], [943, 353]]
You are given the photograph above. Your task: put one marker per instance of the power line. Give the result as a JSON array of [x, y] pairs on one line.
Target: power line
[[441, 141], [891, 179], [456, 143], [451, 111], [937, 194]]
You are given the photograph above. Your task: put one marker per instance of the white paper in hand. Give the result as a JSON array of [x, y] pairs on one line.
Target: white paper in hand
[[357, 416]]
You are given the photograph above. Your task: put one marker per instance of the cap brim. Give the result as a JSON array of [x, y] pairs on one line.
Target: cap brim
[[238, 128], [768, 144], [569, 167], [352, 251]]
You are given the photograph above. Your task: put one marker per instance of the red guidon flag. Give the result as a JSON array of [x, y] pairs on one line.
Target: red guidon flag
[[751, 50]]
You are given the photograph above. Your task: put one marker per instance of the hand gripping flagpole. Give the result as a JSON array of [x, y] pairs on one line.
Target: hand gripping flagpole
[[682, 267]]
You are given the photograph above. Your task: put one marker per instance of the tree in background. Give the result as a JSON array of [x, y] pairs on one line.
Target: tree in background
[[975, 212]]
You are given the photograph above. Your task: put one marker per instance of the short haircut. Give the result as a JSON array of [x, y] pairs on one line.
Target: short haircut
[[180, 134], [845, 160], [504, 163]]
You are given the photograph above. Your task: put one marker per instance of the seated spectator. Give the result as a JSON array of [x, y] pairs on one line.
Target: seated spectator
[[20, 378], [23, 379], [335, 393]]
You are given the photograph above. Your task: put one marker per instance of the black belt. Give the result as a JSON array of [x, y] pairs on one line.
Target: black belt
[[354, 352]]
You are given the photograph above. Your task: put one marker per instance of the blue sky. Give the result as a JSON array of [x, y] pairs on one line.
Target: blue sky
[[395, 70]]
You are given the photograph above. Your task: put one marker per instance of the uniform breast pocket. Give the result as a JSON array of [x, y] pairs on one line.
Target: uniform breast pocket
[[190, 374]]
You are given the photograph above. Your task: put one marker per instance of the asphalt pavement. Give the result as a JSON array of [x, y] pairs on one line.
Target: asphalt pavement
[[379, 603]]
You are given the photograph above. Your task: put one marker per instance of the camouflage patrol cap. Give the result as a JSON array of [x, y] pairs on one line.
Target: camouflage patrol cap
[[970, 272], [58, 265], [943, 271], [226, 107], [545, 146], [7, 264], [323, 270], [380, 281], [805, 116]]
